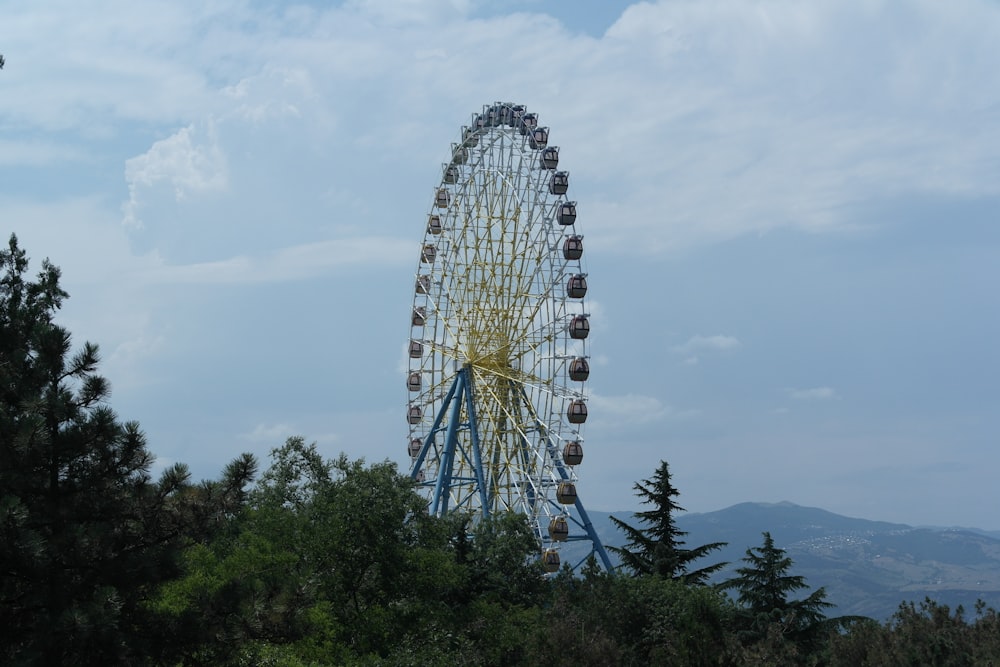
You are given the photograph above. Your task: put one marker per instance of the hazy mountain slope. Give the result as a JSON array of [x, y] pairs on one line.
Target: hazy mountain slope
[[867, 567]]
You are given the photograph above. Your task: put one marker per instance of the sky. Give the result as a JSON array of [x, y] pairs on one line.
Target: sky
[[792, 214]]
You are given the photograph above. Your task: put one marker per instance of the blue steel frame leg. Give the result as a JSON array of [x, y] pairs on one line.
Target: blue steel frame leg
[[595, 541], [443, 486], [585, 521], [461, 388], [477, 455], [429, 440], [588, 525]]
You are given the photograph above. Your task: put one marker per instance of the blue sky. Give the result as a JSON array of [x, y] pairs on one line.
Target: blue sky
[[792, 213]]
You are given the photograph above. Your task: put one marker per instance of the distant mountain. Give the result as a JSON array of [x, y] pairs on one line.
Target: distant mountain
[[867, 567]]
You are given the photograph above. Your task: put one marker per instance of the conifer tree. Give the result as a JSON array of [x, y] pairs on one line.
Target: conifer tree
[[764, 586], [84, 530], [657, 548]]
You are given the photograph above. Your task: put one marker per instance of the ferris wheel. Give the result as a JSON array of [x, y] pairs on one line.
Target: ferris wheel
[[498, 354]]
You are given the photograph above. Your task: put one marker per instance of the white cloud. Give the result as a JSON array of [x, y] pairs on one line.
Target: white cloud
[[127, 358], [274, 434], [291, 263], [813, 394], [704, 343], [750, 117], [190, 162], [633, 409]]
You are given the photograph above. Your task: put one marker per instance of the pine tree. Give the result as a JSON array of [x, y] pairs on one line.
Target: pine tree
[[84, 530], [765, 585], [658, 547]]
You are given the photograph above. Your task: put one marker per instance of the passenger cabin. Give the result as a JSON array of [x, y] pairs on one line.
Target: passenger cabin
[[529, 122], [573, 247], [428, 254], [413, 381], [576, 413], [559, 529], [549, 159], [442, 198], [506, 114], [539, 137], [516, 113], [550, 560], [559, 183], [416, 444], [414, 414], [573, 453], [566, 493], [434, 224], [579, 327], [423, 284], [567, 213], [576, 286], [451, 174], [579, 370], [419, 316], [469, 137], [416, 349], [459, 154]]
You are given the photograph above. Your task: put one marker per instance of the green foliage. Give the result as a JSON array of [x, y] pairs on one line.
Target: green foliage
[[927, 633], [764, 586], [605, 619], [657, 548], [334, 562], [85, 532]]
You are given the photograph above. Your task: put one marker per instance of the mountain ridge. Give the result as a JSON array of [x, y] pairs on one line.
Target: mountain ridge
[[867, 567]]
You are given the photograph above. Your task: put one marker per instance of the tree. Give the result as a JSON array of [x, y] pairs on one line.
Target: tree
[[338, 562], [84, 530], [658, 548], [765, 585], [924, 633], [608, 618]]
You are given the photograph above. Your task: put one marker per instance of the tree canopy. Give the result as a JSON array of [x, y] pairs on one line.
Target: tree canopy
[[657, 547]]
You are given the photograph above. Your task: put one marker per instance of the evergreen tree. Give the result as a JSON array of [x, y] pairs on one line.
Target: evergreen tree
[[765, 586], [658, 547], [84, 530]]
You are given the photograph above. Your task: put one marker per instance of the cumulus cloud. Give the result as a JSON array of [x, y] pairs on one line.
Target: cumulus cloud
[[189, 162]]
